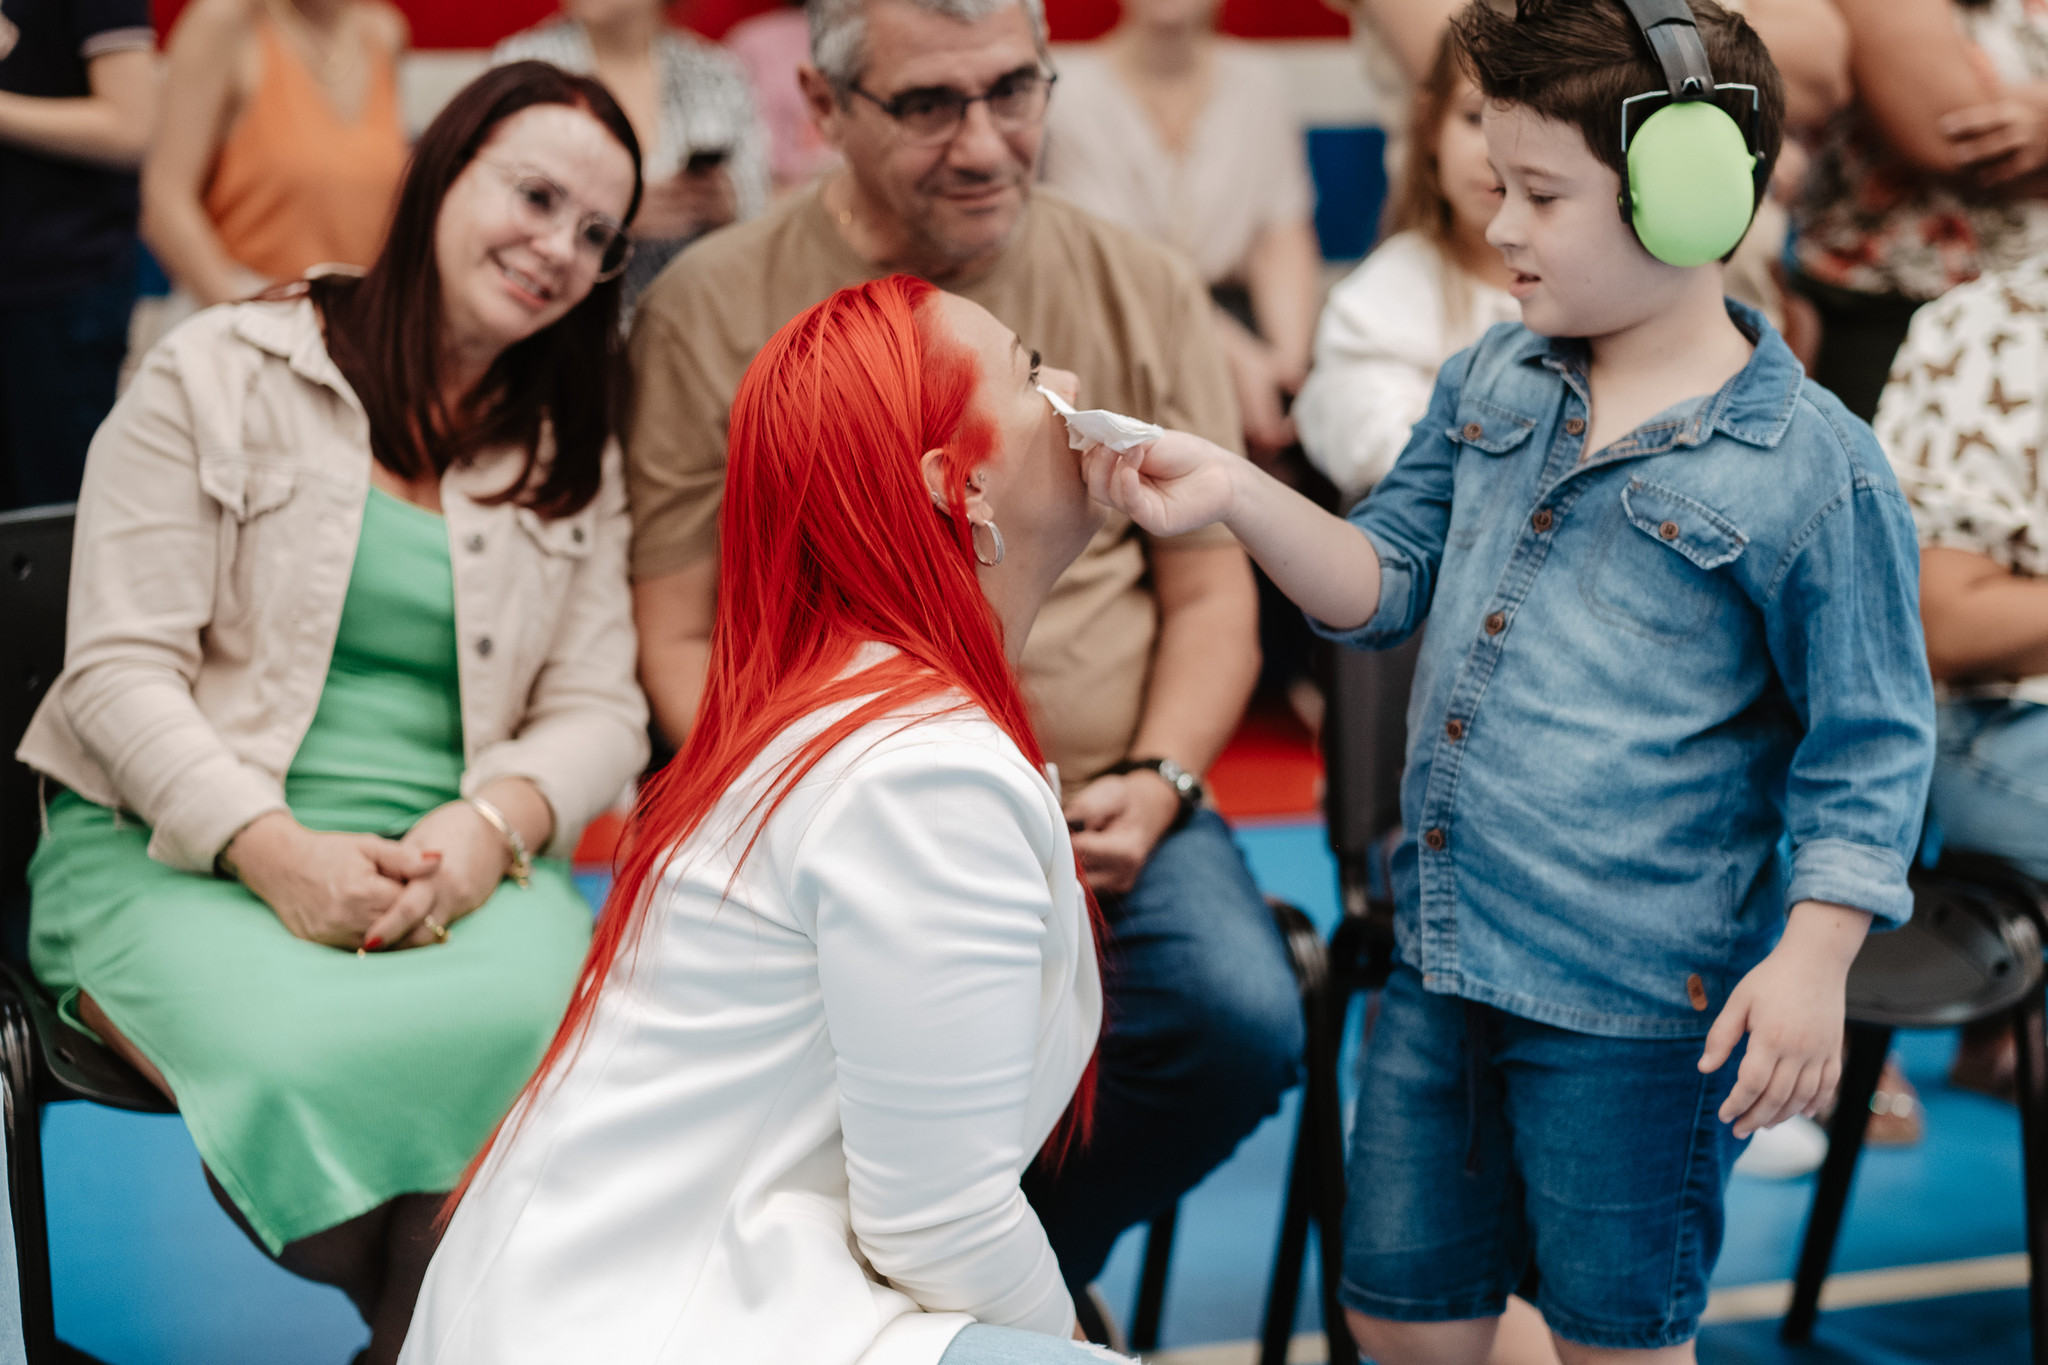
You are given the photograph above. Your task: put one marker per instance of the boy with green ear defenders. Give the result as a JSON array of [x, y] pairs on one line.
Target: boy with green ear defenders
[[1671, 730]]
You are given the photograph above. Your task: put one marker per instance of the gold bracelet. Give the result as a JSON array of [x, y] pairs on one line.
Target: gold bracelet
[[522, 865]]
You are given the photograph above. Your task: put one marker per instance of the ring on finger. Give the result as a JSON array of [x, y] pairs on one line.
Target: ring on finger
[[436, 928]]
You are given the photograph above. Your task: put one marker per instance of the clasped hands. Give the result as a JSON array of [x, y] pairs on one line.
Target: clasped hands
[[361, 891]]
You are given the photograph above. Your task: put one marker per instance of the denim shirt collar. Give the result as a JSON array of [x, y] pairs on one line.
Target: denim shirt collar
[[1755, 406]]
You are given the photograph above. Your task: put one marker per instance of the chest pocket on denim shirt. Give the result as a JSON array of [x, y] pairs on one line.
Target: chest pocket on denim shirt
[[1653, 569], [1484, 486]]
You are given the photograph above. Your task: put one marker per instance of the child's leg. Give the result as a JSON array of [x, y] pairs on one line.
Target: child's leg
[[1434, 1237], [1622, 1160]]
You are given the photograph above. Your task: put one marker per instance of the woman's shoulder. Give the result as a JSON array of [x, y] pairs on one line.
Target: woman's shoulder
[[558, 41]]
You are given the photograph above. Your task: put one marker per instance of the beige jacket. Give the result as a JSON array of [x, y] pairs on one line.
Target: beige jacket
[[217, 531]]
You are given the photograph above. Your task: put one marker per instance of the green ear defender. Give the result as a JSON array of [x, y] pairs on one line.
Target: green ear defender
[[1692, 176]]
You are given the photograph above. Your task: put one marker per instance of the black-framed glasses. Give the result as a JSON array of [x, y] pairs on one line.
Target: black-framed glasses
[[541, 206], [933, 114]]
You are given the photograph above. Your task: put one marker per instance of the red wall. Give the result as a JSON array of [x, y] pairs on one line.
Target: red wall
[[480, 23]]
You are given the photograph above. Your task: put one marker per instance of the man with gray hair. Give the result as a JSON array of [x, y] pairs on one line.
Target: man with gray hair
[[1141, 662]]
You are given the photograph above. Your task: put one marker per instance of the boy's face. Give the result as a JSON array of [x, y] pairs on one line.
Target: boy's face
[[1580, 272]]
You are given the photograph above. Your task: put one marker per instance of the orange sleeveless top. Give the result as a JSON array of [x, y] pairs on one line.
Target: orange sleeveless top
[[294, 185]]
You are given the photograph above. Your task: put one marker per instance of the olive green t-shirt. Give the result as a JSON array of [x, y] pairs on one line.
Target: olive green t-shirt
[[1124, 314]]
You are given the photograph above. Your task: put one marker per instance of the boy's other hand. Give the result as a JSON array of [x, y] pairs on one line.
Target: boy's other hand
[[1175, 484], [1791, 1006]]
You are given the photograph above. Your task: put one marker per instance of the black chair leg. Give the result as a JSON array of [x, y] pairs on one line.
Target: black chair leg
[[1868, 1045], [1152, 1281], [1327, 1191], [2032, 1041], [25, 1182], [1283, 1294]]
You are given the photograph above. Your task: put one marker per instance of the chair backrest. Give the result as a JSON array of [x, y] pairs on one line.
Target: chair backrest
[[1365, 745], [35, 579]]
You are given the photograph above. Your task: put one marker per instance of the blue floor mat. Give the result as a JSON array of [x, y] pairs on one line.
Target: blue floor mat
[[149, 1272]]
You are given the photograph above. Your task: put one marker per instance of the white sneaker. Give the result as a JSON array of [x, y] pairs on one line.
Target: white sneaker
[[1794, 1148]]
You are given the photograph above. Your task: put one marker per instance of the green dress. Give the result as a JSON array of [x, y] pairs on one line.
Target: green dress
[[318, 1084]]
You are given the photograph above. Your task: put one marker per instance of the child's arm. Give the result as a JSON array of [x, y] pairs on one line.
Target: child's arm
[[1791, 1006], [1181, 482], [1841, 618]]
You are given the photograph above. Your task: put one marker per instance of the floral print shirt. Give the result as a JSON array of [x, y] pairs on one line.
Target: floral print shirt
[[1964, 420]]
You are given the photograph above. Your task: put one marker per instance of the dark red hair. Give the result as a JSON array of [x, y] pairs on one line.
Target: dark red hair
[[828, 539]]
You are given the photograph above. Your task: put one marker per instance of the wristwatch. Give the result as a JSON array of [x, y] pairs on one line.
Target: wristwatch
[[1185, 784]]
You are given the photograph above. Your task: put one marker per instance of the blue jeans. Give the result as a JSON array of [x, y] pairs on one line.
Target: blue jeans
[[980, 1344], [58, 364], [1203, 1036], [1991, 780], [1488, 1144]]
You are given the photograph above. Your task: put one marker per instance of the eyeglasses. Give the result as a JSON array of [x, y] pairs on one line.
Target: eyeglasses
[[933, 114], [542, 206]]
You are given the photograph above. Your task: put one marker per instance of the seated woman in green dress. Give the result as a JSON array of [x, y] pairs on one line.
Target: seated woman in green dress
[[349, 666]]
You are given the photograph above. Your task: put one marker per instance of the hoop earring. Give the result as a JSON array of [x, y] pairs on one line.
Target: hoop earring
[[993, 557]]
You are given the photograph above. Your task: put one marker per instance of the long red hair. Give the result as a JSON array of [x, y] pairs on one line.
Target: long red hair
[[828, 539]]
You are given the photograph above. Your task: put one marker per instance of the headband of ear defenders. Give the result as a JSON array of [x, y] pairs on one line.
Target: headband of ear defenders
[[1690, 183]]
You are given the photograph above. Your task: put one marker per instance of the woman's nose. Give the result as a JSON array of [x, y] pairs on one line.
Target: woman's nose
[[1065, 383]]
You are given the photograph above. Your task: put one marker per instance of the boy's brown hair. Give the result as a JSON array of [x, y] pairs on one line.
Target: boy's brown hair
[[1575, 61]]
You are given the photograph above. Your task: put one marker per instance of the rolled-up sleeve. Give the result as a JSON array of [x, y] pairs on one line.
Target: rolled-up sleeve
[[931, 924], [1844, 631], [1407, 517]]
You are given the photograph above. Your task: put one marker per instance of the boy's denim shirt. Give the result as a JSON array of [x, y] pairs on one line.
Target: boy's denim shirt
[[1641, 674]]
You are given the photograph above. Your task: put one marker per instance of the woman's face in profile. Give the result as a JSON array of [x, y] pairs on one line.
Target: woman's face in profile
[[1032, 481], [515, 237]]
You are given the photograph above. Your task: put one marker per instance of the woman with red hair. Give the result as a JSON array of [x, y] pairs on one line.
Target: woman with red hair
[[846, 987]]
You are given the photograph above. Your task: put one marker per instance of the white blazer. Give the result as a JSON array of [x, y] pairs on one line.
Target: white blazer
[[795, 1127]]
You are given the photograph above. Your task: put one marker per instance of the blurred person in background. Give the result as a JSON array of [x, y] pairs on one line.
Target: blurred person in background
[[1933, 178], [1429, 291], [706, 151], [77, 99], [280, 146], [1965, 421], [771, 46], [1188, 137], [349, 650]]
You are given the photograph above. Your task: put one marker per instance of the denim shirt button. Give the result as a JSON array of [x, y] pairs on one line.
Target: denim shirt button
[[1454, 728], [1574, 426], [1669, 530], [1543, 520], [1496, 623], [1434, 840], [1473, 431]]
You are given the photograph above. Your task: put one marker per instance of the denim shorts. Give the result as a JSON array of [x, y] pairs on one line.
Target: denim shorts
[[1494, 1155]]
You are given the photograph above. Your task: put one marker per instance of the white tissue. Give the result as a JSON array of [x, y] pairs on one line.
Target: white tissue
[[1100, 427]]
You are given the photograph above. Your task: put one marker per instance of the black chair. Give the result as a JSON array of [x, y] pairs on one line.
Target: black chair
[[42, 1058], [1971, 951], [1364, 748]]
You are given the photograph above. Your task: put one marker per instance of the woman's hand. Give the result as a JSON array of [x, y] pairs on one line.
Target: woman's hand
[[323, 887], [1175, 484], [2004, 140], [686, 204], [1263, 384], [473, 858], [1791, 1005]]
